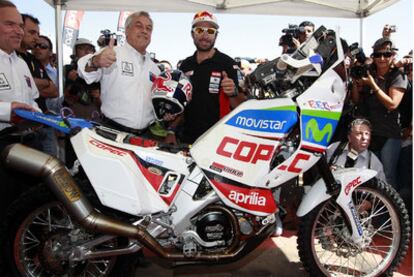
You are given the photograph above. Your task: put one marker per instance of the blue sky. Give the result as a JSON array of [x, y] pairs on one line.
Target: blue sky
[[240, 35]]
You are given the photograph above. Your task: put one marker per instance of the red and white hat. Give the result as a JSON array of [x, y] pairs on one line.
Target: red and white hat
[[205, 16]]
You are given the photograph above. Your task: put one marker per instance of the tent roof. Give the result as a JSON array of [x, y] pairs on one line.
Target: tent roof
[[324, 8]]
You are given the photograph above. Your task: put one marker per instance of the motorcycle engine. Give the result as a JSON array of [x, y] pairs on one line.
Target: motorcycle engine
[[213, 226]]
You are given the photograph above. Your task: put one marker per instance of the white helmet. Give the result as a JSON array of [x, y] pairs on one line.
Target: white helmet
[[80, 41], [171, 92], [205, 16]]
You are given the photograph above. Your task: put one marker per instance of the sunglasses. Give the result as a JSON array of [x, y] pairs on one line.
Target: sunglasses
[[382, 54], [42, 46], [200, 30]]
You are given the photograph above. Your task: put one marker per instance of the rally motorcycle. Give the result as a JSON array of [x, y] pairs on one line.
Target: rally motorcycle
[[218, 200]]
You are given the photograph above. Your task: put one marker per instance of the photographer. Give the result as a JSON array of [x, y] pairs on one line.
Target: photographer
[[379, 92], [82, 98], [387, 30], [295, 35]]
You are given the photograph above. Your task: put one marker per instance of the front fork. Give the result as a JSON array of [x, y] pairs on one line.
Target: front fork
[[343, 198]]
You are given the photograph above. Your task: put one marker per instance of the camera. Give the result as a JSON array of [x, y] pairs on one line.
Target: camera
[[291, 32], [360, 69], [393, 28], [105, 38]]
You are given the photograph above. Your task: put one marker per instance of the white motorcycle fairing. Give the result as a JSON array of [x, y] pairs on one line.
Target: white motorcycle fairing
[[130, 178], [236, 152]]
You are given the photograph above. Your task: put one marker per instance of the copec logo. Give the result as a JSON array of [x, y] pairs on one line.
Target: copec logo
[[244, 151], [264, 120], [249, 199]]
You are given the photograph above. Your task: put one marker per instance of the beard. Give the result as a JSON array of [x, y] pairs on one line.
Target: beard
[[204, 48]]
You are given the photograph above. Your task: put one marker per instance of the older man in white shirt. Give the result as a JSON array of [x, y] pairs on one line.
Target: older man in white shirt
[[124, 73]]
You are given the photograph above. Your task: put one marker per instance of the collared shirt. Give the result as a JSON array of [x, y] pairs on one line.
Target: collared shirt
[[16, 85], [125, 86], [53, 104], [363, 160]]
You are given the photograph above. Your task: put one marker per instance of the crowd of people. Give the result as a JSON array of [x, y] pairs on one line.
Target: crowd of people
[[113, 85]]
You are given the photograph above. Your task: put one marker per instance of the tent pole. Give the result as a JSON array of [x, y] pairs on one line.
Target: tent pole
[[361, 31], [59, 45]]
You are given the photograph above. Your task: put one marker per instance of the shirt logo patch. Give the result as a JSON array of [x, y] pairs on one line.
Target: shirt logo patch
[[215, 79], [127, 69], [4, 84], [28, 82]]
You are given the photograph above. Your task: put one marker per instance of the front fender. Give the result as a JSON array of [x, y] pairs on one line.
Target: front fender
[[345, 176]]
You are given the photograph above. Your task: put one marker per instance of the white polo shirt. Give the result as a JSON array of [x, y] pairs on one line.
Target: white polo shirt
[[16, 85], [125, 86]]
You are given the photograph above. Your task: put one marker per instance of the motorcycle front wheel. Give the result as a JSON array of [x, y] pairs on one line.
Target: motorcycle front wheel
[[39, 234], [324, 239]]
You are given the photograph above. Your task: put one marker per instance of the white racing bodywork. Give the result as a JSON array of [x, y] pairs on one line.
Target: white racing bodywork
[[115, 176]]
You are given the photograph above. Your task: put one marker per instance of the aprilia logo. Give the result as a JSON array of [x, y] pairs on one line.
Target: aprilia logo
[[251, 199], [354, 183]]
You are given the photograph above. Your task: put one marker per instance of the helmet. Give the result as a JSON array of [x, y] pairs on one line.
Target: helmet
[[81, 41], [205, 16], [171, 92]]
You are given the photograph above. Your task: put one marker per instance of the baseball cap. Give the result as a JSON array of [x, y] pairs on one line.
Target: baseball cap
[[205, 16], [380, 43]]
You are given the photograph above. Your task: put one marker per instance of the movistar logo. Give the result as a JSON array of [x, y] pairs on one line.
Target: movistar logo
[[317, 134]]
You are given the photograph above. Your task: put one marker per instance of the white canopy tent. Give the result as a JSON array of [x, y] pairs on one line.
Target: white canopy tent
[[322, 8]]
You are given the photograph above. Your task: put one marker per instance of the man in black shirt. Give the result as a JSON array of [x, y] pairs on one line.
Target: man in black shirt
[[214, 79], [46, 87], [46, 138]]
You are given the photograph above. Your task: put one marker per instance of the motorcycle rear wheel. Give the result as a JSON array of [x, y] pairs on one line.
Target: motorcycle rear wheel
[[324, 243], [37, 231]]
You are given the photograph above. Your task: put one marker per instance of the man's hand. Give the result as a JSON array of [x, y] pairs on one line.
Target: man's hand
[[18, 105], [107, 57], [227, 84]]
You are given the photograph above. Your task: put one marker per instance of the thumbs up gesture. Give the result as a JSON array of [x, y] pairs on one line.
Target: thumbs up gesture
[[107, 57], [227, 84]]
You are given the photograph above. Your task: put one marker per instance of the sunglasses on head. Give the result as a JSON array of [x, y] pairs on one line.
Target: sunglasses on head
[[200, 30], [42, 46], [382, 54]]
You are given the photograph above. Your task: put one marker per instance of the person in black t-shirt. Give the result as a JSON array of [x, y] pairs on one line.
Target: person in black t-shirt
[[45, 138], [47, 89], [214, 79]]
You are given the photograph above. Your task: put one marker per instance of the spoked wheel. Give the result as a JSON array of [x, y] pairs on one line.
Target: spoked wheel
[[40, 235], [325, 244]]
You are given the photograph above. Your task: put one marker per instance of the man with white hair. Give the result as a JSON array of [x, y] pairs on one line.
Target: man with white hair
[[124, 73]]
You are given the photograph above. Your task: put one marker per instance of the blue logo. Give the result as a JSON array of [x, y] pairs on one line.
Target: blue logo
[[318, 130], [272, 121]]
